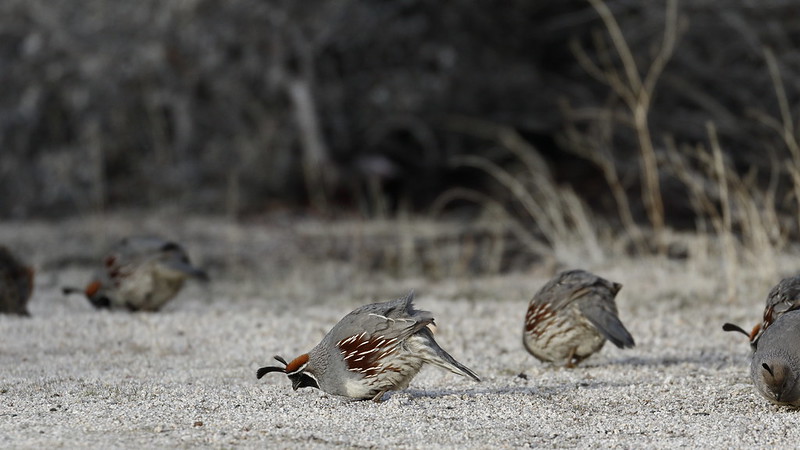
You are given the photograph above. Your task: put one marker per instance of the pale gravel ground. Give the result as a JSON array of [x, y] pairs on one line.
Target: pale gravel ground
[[75, 377]]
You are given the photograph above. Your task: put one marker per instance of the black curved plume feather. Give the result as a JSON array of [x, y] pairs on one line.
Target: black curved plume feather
[[732, 327], [265, 370]]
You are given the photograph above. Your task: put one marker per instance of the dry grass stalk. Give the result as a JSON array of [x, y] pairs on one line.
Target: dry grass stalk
[[787, 124], [595, 146], [494, 208], [637, 93], [785, 127], [743, 216], [559, 214], [730, 261]]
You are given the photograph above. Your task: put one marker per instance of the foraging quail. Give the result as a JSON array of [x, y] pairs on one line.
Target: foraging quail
[[16, 284], [571, 317], [782, 298], [140, 274], [376, 348], [775, 366]]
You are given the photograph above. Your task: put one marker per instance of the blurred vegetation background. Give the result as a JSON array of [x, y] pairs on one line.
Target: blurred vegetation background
[[557, 114]]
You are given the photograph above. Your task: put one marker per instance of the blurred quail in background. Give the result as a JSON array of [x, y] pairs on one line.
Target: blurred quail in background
[[376, 348], [571, 317], [140, 274], [16, 284]]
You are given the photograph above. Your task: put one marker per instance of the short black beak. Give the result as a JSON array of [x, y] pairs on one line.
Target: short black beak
[[296, 382], [301, 380]]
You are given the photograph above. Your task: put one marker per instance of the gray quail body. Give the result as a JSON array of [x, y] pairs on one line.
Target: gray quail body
[[16, 284], [376, 348], [140, 274], [571, 317], [775, 364]]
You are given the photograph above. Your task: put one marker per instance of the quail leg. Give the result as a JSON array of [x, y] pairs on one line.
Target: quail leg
[[379, 396], [578, 359], [572, 360]]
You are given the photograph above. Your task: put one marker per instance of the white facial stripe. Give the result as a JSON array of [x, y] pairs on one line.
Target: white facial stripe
[[300, 369]]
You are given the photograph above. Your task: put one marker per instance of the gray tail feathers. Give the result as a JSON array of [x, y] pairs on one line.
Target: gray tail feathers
[[187, 268], [437, 356], [609, 325]]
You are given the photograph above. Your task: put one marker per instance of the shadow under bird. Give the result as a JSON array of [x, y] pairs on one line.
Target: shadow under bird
[[375, 349], [775, 365], [16, 284], [782, 298], [571, 317], [140, 274]]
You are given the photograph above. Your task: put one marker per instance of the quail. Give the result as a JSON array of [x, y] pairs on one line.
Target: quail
[[16, 284], [775, 364], [571, 317], [140, 274], [375, 349], [782, 298]]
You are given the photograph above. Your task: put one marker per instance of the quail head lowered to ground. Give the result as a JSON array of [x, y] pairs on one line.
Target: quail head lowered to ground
[[782, 298], [571, 317], [775, 366], [376, 348], [140, 274], [16, 284]]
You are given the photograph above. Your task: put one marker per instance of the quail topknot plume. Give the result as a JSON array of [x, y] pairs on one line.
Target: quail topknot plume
[[775, 364], [782, 298], [571, 317], [376, 348], [140, 274], [16, 284]]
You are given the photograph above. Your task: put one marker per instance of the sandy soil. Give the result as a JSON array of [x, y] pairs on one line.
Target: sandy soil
[[76, 377]]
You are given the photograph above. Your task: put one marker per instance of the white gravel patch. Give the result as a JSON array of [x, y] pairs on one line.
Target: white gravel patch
[[75, 377]]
